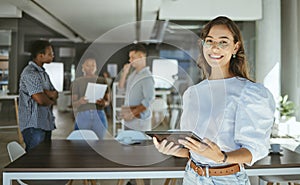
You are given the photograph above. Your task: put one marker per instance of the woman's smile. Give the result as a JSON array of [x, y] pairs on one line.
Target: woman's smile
[[215, 57]]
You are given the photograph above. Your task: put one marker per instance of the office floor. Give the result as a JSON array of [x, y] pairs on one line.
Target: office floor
[[64, 123]]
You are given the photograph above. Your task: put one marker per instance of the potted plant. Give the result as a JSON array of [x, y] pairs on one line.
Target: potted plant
[[286, 108]]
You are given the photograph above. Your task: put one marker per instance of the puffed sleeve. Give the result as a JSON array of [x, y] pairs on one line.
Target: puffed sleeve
[[254, 120]]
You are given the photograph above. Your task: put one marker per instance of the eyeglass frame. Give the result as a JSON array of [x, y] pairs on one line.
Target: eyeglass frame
[[218, 44]]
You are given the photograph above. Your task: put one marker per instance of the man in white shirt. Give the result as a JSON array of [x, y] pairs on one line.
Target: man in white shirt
[[139, 90]]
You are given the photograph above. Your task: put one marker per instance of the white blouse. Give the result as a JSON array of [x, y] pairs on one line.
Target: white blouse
[[234, 113]]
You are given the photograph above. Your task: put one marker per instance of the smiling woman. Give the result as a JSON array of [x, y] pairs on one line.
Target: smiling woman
[[225, 109]]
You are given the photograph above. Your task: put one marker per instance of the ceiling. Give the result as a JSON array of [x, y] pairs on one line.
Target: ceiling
[[90, 19], [116, 20]]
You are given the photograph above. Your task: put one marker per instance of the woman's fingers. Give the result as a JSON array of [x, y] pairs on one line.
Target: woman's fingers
[[165, 147], [211, 144], [193, 144]]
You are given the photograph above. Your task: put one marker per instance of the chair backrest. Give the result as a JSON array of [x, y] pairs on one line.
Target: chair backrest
[[132, 134], [15, 150], [82, 135]]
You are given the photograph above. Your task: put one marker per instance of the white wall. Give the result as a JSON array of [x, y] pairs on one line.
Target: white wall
[[207, 10]]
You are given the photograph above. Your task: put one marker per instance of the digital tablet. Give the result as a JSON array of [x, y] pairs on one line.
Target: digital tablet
[[173, 136]]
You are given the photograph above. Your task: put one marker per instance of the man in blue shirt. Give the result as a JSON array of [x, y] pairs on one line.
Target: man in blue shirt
[[139, 90], [37, 96]]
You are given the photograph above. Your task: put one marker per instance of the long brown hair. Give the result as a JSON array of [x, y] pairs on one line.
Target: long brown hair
[[238, 66]]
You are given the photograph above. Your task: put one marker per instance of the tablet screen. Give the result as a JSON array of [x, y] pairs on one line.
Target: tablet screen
[[173, 136]]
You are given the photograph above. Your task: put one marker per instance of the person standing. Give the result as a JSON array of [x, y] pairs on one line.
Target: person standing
[[139, 92], [232, 113], [90, 116], [37, 97]]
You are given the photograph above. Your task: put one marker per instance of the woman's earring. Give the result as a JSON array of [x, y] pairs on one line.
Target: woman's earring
[[233, 55]]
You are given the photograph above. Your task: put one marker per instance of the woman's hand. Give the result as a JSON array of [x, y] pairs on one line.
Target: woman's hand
[[101, 102], [168, 148], [207, 149]]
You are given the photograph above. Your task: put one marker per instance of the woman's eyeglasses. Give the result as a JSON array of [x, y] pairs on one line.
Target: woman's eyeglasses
[[208, 43]]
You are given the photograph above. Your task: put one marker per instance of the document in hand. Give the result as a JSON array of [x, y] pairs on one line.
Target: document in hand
[[95, 91]]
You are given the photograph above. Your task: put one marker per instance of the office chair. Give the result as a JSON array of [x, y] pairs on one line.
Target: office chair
[[83, 135], [15, 150], [128, 137]]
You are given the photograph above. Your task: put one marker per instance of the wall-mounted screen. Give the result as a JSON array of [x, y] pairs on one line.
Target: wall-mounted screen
[[164, 72], [56, 74]]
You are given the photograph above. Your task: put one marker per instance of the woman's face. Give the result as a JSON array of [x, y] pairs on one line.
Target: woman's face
[[219, 46], [89, 67]]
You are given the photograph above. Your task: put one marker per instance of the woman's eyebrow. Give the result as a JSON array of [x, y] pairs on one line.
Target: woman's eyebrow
[[222, 37]]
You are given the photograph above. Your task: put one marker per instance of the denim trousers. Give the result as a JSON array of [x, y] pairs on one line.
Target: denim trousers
[[192, 178], [34, 136], [92, 120]]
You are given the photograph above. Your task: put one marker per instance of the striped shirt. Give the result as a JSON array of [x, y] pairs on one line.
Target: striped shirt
[[34, 79]]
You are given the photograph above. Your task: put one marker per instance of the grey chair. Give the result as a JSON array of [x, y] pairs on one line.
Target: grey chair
[[15, 150], [82, 135]]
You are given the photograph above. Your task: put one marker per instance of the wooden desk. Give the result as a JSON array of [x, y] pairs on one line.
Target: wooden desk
[[285, 163], [62, 159]]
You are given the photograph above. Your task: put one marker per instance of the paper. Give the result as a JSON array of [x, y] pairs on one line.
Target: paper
[[95, 92], [288, 143]]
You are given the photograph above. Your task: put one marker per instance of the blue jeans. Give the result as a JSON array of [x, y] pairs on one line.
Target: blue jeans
[[92, 120], [192, 178], [34, 136]]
